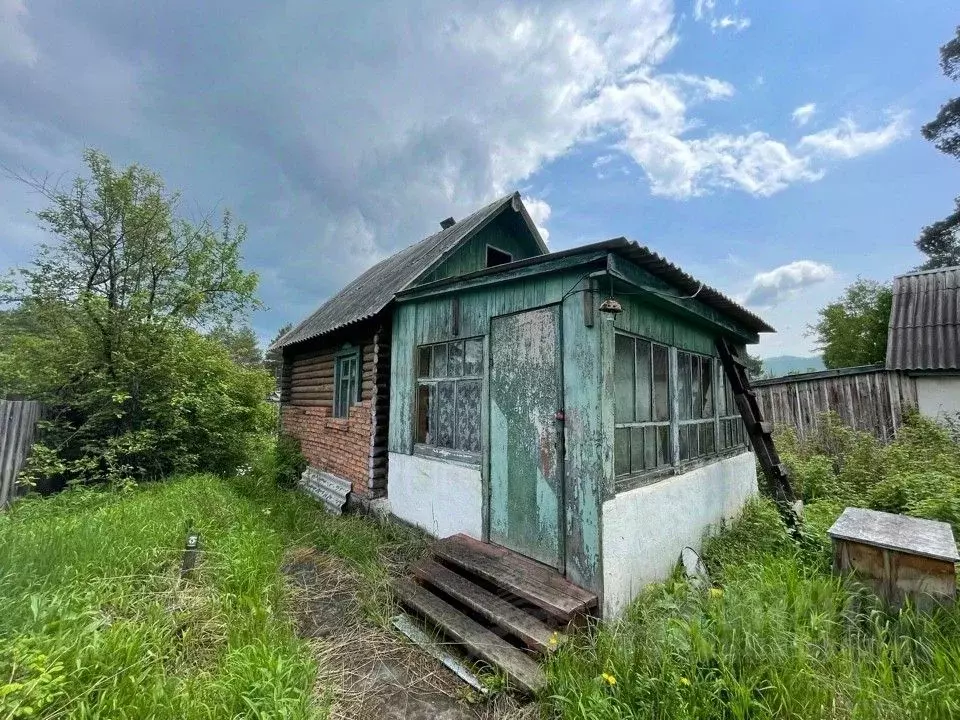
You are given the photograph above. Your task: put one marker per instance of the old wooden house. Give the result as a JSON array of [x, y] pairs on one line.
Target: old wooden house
[[566, 408]]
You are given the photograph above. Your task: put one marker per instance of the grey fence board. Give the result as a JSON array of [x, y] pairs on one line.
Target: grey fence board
[[871, 399], [18, 421]]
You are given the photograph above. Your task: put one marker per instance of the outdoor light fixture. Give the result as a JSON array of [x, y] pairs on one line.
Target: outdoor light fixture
[[611, 306]]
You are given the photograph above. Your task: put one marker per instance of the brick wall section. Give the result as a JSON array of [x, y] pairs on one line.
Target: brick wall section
[[336, 445], [345, 447]]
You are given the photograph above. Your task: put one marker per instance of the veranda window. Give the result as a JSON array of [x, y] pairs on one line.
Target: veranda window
[[695, 375], [730, 429], [641, 439], [448, 394], [346, 382]]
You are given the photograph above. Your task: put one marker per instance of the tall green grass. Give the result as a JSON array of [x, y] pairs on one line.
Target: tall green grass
[[777, 637], [95, 623]]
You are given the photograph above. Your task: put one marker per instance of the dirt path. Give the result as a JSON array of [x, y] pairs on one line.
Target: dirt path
[[376, 673]]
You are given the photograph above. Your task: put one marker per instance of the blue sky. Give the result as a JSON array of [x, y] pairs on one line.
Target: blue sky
[[772, 149]]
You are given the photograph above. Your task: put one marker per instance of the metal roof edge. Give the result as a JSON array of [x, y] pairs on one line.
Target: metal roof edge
[[931, 271]]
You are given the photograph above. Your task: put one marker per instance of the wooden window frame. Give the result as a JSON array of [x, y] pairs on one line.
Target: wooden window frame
[[716, 422], [434, 450], [340, 359], [643, 425]]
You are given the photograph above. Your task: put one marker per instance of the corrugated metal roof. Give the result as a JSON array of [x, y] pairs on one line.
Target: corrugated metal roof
[[924, 330], [374, 289], [641, 256], [662, 268]]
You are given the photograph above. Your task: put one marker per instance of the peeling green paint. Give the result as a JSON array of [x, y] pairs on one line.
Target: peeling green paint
[[587, 352], [526, 487]]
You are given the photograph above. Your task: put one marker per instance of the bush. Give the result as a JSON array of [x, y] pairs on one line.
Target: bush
[[917, 474], [279, 461], [176, 404]]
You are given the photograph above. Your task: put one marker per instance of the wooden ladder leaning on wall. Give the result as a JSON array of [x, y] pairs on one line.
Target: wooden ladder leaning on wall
[[760, 433]]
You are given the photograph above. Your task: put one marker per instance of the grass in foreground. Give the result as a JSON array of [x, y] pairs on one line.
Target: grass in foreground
[[778, 637], [94, 621]]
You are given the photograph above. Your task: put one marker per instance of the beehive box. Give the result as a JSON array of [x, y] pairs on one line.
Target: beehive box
[[900, 557]]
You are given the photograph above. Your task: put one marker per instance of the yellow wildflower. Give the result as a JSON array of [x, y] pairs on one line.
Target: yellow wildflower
[[716, 593], [609, 679], [554, 639], [685, 681]]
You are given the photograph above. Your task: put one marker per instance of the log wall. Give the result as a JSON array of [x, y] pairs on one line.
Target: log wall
[[353, 447]]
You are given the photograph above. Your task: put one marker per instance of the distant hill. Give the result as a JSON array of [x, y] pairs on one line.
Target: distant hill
[[786, 364]]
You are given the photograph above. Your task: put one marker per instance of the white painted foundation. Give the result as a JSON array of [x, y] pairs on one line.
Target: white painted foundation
[[645, 529], [938, 395], [440, 497]]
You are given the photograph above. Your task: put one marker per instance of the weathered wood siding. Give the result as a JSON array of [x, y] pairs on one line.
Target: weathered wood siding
[[430, 320], [503, 234], [654, 323], [18, 420], [353, 447], [588, 384], [872, 400]]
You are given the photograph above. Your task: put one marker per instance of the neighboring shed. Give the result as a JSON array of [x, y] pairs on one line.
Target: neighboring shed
[[923, 340], [335, 378]]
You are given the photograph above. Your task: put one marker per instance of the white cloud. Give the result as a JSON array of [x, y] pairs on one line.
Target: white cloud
[[728, 21], [846, 141], [774, 286], [15, 45], [706, 11], [539, 212], [344, 137], [802, 115]]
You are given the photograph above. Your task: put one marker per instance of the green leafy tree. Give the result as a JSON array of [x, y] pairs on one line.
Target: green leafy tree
[[273, 357], [853, 330], [242, 344], [754, 366], [940, 241], [102, 327]]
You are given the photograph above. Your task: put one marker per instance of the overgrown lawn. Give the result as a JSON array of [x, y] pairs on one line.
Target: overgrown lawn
[[95, 622]]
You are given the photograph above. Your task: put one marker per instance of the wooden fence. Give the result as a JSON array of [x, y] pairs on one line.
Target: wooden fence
[[868, 398], [18, 420]]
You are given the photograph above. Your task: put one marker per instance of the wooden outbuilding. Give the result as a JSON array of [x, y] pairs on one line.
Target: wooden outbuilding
[[566, 409]]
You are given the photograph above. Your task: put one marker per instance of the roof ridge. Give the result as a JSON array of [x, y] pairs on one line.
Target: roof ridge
[[400, 268]]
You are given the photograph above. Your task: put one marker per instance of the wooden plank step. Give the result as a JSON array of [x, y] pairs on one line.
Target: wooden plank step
[[479, 641], [525, 578], [529, 629]]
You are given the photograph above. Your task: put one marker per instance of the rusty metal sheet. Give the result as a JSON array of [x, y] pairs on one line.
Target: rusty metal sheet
[[526, 502]]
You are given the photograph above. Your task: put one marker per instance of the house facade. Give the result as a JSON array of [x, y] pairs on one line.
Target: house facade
[[336, 362], [567, 406]]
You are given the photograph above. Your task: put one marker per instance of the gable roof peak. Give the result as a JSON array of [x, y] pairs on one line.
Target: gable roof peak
[[375, 288]]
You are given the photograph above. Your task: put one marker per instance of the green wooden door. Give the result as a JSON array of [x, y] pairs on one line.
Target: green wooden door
[[526, 453]]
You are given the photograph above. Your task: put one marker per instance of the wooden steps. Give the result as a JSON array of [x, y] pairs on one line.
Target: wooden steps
[[534, 634], [485, 644], [521, 576], [501, 607]]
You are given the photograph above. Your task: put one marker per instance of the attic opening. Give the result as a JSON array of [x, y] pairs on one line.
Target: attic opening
[[497, 257]]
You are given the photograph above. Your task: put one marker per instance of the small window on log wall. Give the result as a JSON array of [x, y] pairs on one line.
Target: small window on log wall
[[346, 382], [449, 377]]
